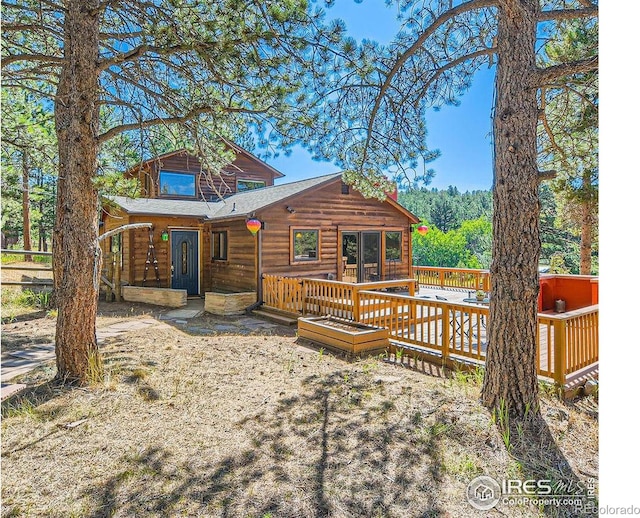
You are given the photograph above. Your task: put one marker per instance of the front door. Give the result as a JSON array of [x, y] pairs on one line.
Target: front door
[[360, 256], [184, 261]]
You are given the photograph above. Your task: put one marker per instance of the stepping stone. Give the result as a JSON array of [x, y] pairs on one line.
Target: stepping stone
[[198, 330], [11, 363], [127, 326], [45, 347], [32, 355], [262, 325], [248, 321], [11, 389], [182, 313], [10, 373], [107, 334], [223, 328]]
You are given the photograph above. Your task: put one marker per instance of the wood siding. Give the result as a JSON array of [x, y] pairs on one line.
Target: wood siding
[[135, 245], [323, 208], [331, 212], [243, 167], [238, 272]]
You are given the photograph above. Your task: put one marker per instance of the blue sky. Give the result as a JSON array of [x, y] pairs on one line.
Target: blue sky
[[462, 134]]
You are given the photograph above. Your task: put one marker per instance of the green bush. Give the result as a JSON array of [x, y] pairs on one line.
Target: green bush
[[27, 299]]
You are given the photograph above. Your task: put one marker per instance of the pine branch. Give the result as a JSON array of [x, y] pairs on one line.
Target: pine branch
[[568, 14], [40, 58], [544, 76], [178, 119], [471, 5]]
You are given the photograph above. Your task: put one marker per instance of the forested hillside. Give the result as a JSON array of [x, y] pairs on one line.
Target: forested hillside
[[460, 231]]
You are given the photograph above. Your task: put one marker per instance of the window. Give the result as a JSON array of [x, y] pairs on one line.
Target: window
[[305, 245], [345, 188], [177, 184], [392, 246], [219, 246], [249, 185]]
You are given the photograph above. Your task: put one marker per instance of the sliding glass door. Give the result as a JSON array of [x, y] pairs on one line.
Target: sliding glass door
[[361, 256]]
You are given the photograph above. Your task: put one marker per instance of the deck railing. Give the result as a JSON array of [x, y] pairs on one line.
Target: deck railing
[[449, 332], [566, 342], [283, 294], [465, 278], [305, 296], [570, 342]]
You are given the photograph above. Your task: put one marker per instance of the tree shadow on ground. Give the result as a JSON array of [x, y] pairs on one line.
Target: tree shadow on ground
[[32, 402], [26, 317], [335, 449], [533, 446]]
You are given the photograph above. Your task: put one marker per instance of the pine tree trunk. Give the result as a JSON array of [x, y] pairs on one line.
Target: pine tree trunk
[[586, 240], [26, 218], [76, 257], [510, 377]]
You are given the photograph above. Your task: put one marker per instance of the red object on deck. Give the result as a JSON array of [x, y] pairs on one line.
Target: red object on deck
[[578, 291]]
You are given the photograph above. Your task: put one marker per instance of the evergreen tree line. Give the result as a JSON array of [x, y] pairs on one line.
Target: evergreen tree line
[[460, 229]]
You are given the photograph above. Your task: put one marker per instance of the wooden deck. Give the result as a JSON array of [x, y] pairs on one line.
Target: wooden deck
[[437, 324]]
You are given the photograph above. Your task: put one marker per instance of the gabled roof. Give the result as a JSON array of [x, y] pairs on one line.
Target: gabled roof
[[239, 205], [235, 147]]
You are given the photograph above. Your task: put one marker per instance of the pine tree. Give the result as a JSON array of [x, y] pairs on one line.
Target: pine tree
[[203, 69], [381, 121]]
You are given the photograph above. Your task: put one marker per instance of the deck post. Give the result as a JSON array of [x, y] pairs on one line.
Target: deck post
[[559, 352], [303, 296], [413, 287], [446, 334], [356, 303]]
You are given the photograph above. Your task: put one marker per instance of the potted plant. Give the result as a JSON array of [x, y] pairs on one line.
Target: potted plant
[[480, 295]]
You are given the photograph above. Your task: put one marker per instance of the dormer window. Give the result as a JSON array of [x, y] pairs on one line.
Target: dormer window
[[249, 185], [177, 184]]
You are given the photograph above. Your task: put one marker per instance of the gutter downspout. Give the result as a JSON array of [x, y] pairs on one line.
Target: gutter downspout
[[259, 268]]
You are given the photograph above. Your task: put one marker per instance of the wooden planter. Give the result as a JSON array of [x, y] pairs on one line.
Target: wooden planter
[[343, 335], [228, 303]]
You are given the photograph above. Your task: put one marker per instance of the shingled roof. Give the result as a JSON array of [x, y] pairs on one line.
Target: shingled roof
[[238, 205], [247, 202]]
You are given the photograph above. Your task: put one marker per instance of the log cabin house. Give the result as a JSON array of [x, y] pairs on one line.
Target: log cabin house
[[318, 227]]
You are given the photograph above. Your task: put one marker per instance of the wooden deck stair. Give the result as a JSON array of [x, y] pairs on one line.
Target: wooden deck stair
[[275, 316]]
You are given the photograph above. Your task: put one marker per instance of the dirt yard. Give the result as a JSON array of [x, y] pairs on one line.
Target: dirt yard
[[195, 421]]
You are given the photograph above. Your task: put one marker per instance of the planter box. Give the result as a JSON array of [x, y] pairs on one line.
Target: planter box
[[158, 296], [343, 335], [228, 303]]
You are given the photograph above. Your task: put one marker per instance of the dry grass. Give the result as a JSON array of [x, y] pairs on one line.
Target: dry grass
[[264, 426]]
